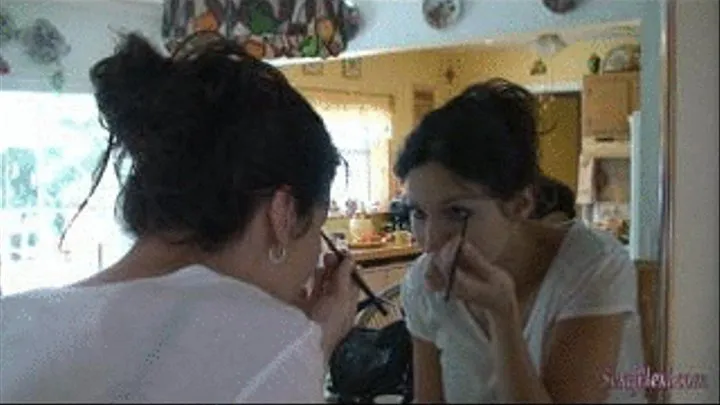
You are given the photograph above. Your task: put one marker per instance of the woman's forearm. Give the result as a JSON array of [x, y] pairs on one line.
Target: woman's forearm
[[517, 378]]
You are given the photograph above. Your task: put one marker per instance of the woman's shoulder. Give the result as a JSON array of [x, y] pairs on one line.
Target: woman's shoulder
[[194, 317], [585, 246], [193, 299], [591, 265]]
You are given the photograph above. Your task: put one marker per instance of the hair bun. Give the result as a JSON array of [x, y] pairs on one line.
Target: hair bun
[[124, 83]]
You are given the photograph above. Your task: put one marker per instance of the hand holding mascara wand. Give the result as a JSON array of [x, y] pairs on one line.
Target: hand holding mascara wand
[[454, 263], [356, 277]]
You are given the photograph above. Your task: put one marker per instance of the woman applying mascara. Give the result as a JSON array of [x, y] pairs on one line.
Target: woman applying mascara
[[503, 308], [228, 188]]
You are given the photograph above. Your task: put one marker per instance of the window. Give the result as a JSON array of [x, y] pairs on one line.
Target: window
[[359, 125], [49, 148]]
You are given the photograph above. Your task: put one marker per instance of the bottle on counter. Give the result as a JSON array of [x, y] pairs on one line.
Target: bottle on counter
[[334, 210], [361, 225], [351, 208]]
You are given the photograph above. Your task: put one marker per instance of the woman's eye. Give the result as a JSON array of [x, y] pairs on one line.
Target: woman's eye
[[418, 214], [459, 213]]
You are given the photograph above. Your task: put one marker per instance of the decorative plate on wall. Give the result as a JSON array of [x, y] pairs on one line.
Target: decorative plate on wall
[[623, 58], [441, 14], [560, 6]]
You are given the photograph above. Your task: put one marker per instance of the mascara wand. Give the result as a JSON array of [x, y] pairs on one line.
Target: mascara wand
[[454, 263]]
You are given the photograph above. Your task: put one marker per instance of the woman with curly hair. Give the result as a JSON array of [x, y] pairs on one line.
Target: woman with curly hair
[[227, 189]]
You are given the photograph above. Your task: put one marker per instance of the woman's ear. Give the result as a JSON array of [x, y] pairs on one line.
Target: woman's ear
[[282, 215], [521, 206]]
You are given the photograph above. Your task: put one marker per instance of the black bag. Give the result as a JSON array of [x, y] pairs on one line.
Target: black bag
[[371, 362]]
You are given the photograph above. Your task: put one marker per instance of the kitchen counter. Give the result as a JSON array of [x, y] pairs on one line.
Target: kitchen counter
[[384, 267], [385, 254]]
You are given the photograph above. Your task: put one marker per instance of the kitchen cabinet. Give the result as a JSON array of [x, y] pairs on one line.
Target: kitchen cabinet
[[423, 103], [396, 274], [607, 102], [381, 278], [376, 279], [383, 268]]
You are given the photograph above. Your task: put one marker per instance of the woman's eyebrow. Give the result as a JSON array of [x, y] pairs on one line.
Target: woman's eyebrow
[[410, 204], [464, 198]]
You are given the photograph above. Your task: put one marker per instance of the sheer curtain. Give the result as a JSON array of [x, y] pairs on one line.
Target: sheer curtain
[[50, 144], [48, 150], [359, 125]]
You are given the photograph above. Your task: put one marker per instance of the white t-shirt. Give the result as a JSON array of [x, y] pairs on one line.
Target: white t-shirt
[[190, 336], [591, 274]]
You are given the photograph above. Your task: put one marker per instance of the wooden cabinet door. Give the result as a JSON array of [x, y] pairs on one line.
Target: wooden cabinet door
[[423, 103], [381, 278], [607, 102], [396, 275]]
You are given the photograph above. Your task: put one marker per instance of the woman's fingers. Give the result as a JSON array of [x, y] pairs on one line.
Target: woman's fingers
[[337, 277], [472, 259], [435, 280], [327, 274], [468, 257], [476, 279], [448, 253], [335, 308], [342, 276], [470, 288], [330, 260]]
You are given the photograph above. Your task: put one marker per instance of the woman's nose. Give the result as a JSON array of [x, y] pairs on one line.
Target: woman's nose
[[435, 237]]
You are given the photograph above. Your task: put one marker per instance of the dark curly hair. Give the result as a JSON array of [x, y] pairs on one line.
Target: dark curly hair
[[552, 195], [487, 135], [209, 133]]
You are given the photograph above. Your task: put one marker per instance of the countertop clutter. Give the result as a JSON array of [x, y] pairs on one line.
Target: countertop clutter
[[384, 253], [380, 248], [380, 243]]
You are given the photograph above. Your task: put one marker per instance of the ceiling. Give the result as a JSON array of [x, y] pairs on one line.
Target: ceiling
[[599, 32]]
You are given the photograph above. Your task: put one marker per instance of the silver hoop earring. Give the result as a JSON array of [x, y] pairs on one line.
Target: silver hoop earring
[[277, 255]]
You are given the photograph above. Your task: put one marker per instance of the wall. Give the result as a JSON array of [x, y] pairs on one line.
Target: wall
[[388, 25], [567, 66], [559, 148], [694, 279], [395, 75], [90, 29], [481, 19]]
